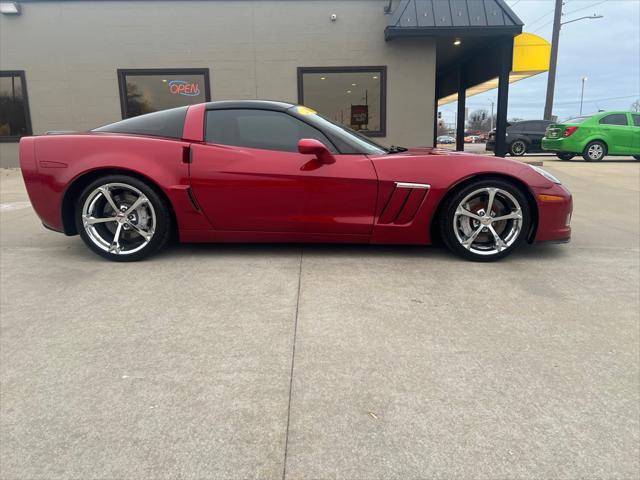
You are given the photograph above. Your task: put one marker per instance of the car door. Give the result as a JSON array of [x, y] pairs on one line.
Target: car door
[[635, 133], [536, 131], [524, 132], [617, 133], [249, 176]]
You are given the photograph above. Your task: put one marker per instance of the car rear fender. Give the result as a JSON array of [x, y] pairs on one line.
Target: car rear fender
[[75, 189], [595, 138], [67, 163]]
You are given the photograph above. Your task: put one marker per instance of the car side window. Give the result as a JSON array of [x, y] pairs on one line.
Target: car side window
[[263, 129], [636, 120], [614, 119]]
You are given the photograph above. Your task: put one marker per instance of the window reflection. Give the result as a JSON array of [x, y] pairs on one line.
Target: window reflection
[[14, 114], [351, 97], [151, 91]]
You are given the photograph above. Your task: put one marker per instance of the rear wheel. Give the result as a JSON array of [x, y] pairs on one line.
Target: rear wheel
[[565, 156], [637, 157], [122, 218], [486, 220], [518, 148], [594, 151]]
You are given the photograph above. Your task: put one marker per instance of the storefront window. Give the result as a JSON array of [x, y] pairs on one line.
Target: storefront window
[[146, 91], [352, 96], [14, 106]]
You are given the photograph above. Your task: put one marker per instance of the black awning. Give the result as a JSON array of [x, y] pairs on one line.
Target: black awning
[[411, 18]]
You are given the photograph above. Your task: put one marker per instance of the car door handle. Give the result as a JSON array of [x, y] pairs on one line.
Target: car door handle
[[186, 154]]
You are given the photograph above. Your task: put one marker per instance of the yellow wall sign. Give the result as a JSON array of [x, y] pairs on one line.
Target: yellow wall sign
[[531, 55]]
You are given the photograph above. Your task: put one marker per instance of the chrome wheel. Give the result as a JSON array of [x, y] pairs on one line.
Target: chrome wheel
[[118, 218], [518, 148], [595, 151], [488, 221]]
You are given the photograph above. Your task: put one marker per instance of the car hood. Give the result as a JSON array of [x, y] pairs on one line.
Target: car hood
[[442, 168]]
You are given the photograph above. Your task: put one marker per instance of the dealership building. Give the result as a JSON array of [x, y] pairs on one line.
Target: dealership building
[[379, 66]]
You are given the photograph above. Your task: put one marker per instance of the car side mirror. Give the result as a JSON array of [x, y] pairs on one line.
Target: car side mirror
[[311, 146]]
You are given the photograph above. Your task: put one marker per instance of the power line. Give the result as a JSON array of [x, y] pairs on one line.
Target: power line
[[543, 26], [563, 14], [597, 100], [584, 8], [539, 18]]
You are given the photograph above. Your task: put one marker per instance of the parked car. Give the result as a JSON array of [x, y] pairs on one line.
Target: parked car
[[472, 139], [594, 136], [445, 140], [257, 171], [522, 137]]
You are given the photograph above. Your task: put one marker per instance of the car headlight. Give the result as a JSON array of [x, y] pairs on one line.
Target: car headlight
[[546, 174]]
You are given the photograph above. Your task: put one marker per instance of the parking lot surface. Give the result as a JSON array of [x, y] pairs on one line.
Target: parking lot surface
[[358, 362]]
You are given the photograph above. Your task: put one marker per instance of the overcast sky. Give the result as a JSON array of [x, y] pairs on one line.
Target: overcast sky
[[606, 51]]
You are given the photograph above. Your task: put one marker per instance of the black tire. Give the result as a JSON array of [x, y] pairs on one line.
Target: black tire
[[447, 220], [517, 148], [594, 151], [565, 156], [637, 157], [159, 236]]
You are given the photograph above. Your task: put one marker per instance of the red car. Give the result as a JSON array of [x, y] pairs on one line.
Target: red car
[[258, 171]]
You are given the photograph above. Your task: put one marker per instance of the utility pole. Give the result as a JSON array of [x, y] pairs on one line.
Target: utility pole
[[551, 80], [553, 62], [584, 79]]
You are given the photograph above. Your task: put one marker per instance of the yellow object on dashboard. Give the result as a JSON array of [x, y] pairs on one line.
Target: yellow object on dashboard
[[302, 110]]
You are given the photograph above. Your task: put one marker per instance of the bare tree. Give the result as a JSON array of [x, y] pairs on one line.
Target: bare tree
[[480, 120], [635, 106]]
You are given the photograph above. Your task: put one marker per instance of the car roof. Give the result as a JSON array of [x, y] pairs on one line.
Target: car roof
[[257, 104], [613, 111]]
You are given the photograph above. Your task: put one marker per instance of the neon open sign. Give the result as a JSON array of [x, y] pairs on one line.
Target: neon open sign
[[182, 87]]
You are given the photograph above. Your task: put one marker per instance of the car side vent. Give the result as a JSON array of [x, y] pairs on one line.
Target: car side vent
[[193, 200], [403, 203]]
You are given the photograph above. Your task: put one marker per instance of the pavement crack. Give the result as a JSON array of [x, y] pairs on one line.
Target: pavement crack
[[293, 360]]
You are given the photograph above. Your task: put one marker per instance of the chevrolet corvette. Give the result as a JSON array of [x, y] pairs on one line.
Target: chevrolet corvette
[[261, 171]]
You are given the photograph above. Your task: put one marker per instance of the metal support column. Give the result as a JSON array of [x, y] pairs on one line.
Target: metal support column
[[435, 121], [506, 54], [462, 97]]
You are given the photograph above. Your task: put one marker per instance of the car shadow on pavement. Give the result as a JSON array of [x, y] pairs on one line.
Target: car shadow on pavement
[[419, 252], [75, 250]]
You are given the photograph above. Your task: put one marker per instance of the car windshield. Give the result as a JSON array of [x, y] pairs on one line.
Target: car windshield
[[362, 142], [578, 119]]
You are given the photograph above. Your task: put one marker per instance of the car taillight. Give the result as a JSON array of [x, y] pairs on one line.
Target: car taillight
[[569, 131]]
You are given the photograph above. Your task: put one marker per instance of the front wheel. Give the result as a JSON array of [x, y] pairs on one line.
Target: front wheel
[[637, 157], [594, 151], [486, 220], [518, 148], [565, 156], [122, 218]]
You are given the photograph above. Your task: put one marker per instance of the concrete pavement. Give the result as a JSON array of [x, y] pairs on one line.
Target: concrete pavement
[[358, 362]]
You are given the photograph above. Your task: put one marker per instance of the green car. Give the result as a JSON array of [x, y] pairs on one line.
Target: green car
[[594, 136]]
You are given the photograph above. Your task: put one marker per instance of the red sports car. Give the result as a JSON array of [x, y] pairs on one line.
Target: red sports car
[[258, 171]]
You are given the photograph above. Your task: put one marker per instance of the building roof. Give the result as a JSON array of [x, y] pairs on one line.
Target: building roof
[[444, 17]]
